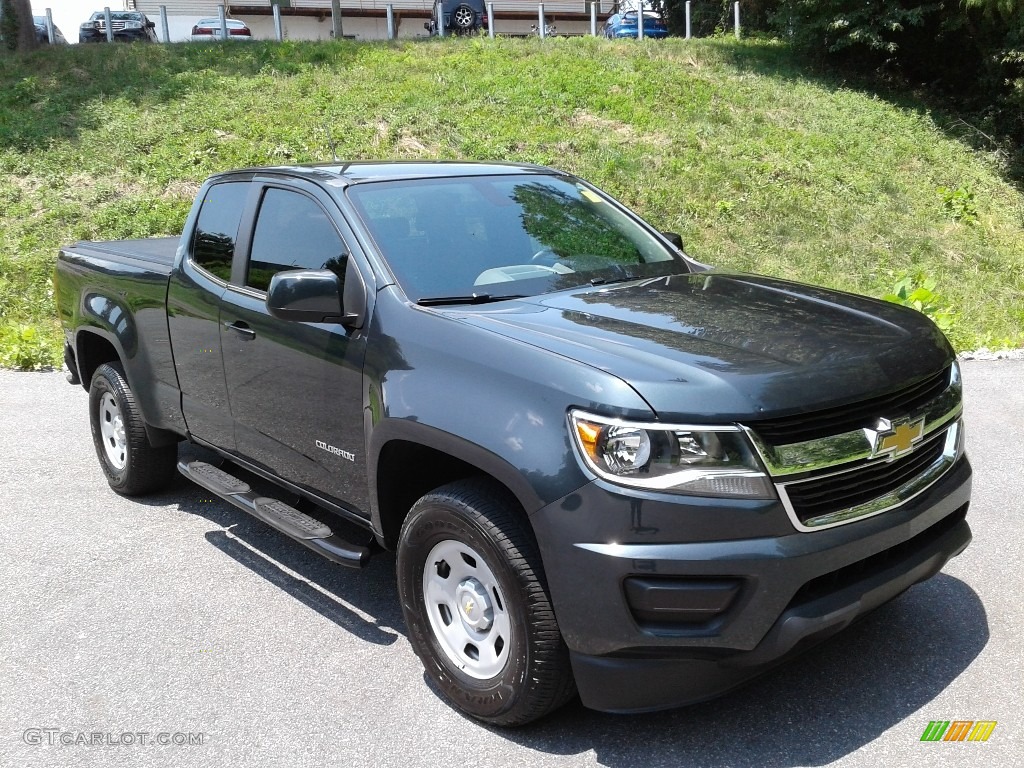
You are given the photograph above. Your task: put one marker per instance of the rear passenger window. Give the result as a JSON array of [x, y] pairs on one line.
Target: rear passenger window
[[213, 245], [292, 232]]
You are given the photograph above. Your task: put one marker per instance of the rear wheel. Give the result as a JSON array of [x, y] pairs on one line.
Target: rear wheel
[[477, 605], [132, 465]]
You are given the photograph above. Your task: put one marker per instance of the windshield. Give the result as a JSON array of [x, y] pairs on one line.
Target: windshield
[[495, 236], [117, 16]]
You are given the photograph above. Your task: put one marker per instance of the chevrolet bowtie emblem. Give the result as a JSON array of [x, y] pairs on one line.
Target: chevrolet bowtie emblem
[[893, 439]]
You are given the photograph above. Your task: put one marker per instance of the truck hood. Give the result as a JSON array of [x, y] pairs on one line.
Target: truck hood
[[716, 346]]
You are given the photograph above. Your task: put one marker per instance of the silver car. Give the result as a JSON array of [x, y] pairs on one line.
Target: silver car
[[208, 30]]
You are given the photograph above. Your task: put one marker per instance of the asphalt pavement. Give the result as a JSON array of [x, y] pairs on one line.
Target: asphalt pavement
[[177, 631]]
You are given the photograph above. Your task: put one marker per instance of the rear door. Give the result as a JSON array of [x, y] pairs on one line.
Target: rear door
[[295, 389], [194, 296]]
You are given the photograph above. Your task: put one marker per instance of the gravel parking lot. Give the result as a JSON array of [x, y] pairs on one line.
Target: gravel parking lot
[[177, 618]]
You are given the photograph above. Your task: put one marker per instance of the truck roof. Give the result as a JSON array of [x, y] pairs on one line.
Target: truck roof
[[376, 170]]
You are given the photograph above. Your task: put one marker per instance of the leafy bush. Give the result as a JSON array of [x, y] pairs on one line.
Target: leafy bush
[[922, 297], [958, 204], [27, 348]]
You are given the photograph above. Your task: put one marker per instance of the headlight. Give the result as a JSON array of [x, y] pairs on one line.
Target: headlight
[[133, 25], [703, 461]]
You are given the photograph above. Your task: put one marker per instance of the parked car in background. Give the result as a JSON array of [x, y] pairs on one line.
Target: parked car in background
[[461, 17], [208, 30], [624, 25], [127, 27], [43, 36]]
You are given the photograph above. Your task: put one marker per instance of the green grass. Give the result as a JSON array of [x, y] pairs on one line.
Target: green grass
[[758, 165]]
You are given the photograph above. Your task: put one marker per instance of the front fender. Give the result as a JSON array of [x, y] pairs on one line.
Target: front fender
[[491, 401]]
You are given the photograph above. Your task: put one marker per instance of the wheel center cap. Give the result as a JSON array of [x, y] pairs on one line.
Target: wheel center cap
[[474, 605], [119, 430]]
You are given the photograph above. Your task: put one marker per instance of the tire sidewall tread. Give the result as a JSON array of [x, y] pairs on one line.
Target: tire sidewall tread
[[146, 468], [537, 678]]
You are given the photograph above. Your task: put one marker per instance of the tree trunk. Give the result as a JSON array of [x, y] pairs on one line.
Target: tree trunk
[[26, 27]]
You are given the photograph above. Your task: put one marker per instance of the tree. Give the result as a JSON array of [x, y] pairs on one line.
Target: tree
[[16, 26], [1005, 8]]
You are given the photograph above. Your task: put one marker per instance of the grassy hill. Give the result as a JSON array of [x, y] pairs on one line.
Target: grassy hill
[[760, 167]]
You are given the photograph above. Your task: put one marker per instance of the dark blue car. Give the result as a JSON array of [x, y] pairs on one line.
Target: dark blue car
[[624, 25]]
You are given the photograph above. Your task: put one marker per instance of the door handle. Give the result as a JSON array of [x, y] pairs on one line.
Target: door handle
[[241, 328]]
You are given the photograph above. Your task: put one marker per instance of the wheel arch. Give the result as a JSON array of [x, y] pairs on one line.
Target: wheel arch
[[93, 349], [413, 459]]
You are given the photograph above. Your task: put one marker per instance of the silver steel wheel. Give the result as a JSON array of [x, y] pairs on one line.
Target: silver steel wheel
[[463, 17], [112, 431], [466, 609]]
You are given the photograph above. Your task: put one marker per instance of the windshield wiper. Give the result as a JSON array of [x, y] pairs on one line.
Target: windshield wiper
[[610, 280], [476, 298]]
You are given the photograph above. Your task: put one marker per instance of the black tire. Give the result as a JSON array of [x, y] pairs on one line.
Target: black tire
[[132, 465], [479, 517]]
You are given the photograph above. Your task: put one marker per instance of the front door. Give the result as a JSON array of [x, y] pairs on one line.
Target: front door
[[295, 388]]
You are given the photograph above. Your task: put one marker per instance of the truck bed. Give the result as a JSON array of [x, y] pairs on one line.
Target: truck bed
[[157, 253]]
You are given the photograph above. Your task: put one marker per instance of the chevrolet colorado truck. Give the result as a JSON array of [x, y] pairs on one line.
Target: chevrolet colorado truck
[[605, 468]]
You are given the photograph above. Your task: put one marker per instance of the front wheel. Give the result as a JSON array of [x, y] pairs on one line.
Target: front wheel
[[477, 605], [132, 465]]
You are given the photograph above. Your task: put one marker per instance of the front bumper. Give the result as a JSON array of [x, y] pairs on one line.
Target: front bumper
[[662, 604], [632, 33], [120, 36]]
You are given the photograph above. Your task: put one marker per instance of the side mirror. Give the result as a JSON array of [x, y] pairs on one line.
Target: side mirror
[[151, 24], [674, 238], [318, 296], [305, 296]]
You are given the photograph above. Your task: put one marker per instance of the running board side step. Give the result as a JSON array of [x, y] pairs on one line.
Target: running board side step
[[297, 525]]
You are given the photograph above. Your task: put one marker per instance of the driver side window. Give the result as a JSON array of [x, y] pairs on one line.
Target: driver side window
[[292, 232]]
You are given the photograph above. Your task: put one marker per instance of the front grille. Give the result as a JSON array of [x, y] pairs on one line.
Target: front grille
[[834, 421], [836, 581], [822, 496], [117, 26]]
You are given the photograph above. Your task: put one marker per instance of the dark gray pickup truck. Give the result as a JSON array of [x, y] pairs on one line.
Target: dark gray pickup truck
[[604, 467]]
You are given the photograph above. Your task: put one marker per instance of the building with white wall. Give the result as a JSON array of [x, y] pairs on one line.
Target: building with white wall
[[361, 19]]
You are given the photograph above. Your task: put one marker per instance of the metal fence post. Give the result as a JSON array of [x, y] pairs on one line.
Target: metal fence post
[[439, 9], [223, 22], [540, 21], [593, 18], [163, 24], [687, 19], [490, 20], [736, 13], [339, 33], [391, 21], [278, 30], [109, 23], [639, 21], [49, 26]]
